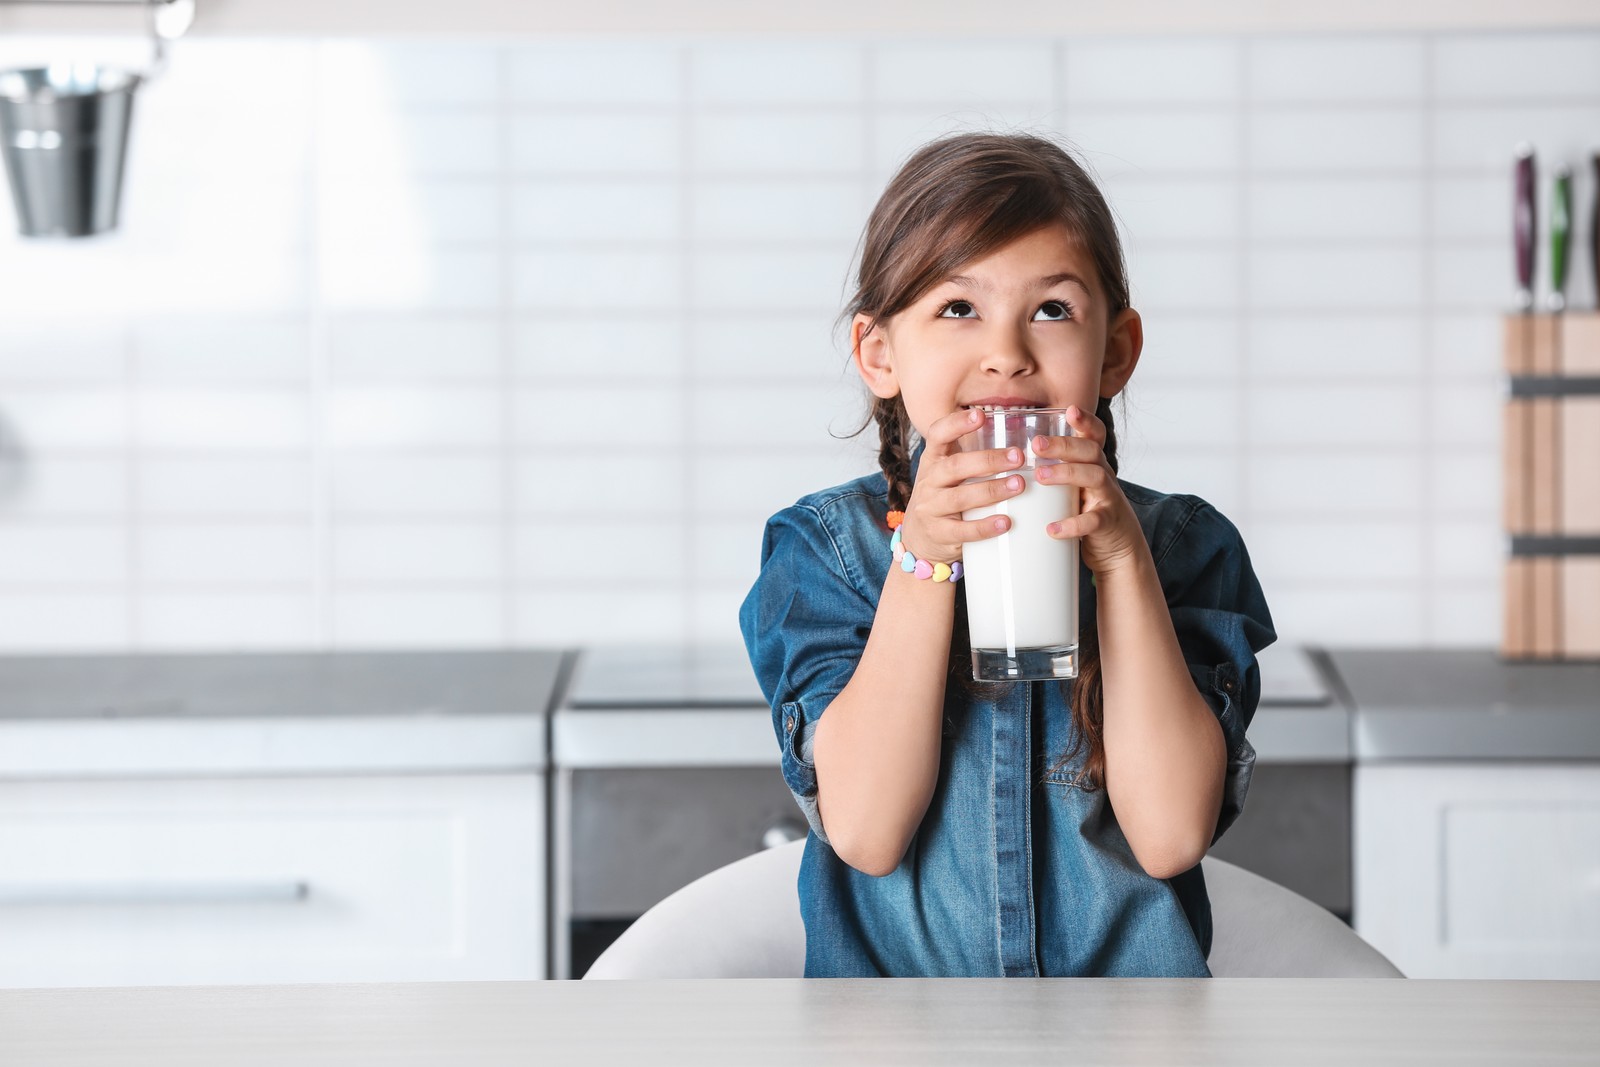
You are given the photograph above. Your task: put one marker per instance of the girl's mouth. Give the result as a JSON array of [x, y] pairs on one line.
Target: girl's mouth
[[1004, 403]]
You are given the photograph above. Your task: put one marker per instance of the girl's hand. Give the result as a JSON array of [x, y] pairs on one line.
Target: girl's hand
[[933, 526], [1105, 521]]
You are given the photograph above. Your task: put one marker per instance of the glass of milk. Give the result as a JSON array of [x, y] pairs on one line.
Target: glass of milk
[[1022, 586]]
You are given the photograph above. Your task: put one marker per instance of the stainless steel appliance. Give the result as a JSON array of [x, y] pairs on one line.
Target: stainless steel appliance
[[665, 767], [64, 132]]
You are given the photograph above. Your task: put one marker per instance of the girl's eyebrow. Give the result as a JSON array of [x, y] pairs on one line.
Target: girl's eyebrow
[[968, 282]]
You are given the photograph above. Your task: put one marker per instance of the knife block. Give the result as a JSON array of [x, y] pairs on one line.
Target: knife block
[[1552, 487]]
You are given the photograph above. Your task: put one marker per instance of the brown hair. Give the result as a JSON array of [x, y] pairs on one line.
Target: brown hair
[[956, 200]]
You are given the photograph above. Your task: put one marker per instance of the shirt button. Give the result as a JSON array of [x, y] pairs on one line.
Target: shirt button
[[1228, 686], [788, 722]]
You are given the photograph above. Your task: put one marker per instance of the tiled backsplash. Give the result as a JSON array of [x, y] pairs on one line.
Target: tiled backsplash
[[494, 342]]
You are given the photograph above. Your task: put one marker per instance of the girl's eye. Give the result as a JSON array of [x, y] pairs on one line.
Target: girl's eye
[[957, 309], [1053, 311]]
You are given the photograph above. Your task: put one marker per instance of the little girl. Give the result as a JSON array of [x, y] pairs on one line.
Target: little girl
[[1043, 828]]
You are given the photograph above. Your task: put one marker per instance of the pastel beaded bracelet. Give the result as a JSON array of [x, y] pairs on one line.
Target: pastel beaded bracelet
[[921, 568]]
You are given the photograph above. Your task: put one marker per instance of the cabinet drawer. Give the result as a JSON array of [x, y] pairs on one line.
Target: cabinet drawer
[[271, 880], [1486, 870], [639, 834]]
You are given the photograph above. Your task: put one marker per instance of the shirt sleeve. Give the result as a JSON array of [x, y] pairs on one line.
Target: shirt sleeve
[[1221, 619], [805, 626]]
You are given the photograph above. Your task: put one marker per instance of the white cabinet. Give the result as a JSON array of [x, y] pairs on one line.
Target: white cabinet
[[399, 877], [1480, 870]]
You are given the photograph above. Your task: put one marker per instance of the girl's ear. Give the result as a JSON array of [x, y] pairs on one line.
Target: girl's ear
[[870, 351], [1124, 342]]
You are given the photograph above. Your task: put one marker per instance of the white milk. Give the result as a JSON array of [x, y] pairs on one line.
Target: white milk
[[1022, 587]]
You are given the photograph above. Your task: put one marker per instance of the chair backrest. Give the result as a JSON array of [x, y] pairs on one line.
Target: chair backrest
[[743, 921], [1259, 929], [739, 921]]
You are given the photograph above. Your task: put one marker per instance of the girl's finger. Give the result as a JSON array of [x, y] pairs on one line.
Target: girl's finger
[[1086, 424], [1083, 524], [1088, 475], [945, 432], [970, 495], [949, 504], [969, 530], [959, 466], [1066, 449]]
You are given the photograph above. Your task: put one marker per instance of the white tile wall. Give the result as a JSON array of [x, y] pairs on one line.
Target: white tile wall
[[411, 343], [604, 144], [1156, 140], [584, 75], [745, 73], [785, 142], [1153, 71], [898, 130], [963, 72], [196, 485], [1379, 70]]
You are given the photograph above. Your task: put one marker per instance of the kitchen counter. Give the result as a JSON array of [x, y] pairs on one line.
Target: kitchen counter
[[272, 713], [701, 706], [1467, 704], [274, 817], [805, 1022], [292, 712]]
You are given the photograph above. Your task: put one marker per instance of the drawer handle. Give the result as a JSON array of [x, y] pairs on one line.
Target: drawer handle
[[104, 893]]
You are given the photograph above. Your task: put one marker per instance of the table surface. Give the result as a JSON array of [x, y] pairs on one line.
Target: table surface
[[926, 1022]]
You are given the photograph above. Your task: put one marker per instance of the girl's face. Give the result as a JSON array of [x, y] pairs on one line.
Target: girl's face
[[1023, 326]]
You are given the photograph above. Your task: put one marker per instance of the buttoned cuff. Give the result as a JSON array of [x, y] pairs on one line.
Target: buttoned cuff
[[797, 733], [1221, 688]]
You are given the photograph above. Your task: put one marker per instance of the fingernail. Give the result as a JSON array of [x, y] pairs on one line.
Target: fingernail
[[1013, 483], [1042, 473], [1053, 529], [973, 415], [1013, 455], [1000, 524], [1074, 412]]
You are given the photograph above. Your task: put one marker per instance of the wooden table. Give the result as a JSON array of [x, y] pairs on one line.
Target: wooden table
[[925, 1022]]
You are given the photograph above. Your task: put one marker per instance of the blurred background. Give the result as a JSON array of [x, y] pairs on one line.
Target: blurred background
[[432, 339], [371, 543]]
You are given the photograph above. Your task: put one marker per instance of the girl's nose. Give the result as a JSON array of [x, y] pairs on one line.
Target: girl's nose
[[1007, 355]]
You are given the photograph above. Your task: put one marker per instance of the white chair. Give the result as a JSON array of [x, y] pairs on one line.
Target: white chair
[[743, 921]]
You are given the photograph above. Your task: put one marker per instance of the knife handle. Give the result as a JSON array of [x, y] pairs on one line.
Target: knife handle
[[1560, 237], [1522, 221]]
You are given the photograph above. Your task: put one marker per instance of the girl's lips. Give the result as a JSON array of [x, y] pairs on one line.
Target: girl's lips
[[1004, 402]]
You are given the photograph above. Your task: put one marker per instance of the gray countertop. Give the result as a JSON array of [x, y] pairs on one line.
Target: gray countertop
[[1451, 704], [701, 705], [276, 712], [707, 676], [472, 710], [278, 684]]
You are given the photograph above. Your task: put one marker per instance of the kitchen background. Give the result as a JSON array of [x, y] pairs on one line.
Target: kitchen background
[[473, 349], [518, 341]]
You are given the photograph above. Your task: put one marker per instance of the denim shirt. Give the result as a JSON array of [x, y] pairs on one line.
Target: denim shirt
[[1012, 871]]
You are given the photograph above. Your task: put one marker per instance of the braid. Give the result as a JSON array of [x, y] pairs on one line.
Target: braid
[[1087, 695], [1102, 412], [894, 454]]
